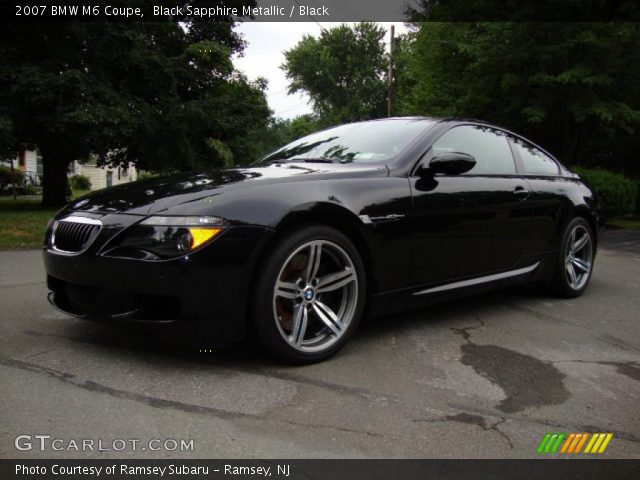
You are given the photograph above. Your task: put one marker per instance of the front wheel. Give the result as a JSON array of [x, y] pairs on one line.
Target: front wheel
[[309, 295], [575, 259]]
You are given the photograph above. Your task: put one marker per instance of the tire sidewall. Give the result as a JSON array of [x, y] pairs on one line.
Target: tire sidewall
[[263, 323]]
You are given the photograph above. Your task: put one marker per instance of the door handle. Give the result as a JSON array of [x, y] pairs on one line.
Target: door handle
[[521, 192]]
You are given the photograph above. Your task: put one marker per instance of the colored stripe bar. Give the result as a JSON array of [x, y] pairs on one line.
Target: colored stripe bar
[[565, 447], [594, 437], [543, 443], [550, 443], [606, 441], [575, 442], [555, 447], [582, 442]]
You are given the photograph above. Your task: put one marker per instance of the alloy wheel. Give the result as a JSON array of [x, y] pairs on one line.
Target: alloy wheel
[[315, 296], [578, 257]]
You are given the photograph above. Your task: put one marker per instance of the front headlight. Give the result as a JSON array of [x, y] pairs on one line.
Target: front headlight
[[160, 238]]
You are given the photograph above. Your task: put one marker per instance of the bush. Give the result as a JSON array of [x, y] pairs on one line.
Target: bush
[[80, 182], [146, 175], [617, 193], [5, 176]]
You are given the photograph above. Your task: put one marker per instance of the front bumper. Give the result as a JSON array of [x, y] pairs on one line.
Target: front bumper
[[203, 293]]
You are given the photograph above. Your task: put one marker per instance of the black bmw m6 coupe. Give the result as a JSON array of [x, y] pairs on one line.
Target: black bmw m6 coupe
[[362, 219]]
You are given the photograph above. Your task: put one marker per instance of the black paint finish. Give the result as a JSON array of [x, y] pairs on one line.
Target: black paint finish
[[414, 229]]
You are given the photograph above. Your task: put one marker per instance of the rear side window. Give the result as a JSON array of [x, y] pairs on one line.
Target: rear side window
[[534, 161], [488, 146]]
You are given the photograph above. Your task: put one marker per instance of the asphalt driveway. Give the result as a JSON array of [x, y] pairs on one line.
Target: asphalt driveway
[[483, 377]]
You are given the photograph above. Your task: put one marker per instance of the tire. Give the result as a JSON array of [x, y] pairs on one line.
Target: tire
[[574, 264], [306, 305]]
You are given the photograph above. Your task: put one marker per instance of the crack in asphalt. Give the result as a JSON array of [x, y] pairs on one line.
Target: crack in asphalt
[[470, 419], [525, 380], [570, 427], [334, 387], [356, 392], [156, 402]]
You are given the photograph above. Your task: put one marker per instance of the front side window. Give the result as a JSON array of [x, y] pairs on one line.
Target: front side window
[[378, 140], [534, 161], [488, 146]]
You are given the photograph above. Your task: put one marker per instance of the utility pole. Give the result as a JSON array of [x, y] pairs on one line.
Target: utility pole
[[390, 76]]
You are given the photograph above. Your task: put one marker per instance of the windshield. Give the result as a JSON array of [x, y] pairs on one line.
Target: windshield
[[379, 140]]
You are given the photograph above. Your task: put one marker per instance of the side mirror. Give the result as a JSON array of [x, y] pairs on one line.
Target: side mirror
[[451, 163]]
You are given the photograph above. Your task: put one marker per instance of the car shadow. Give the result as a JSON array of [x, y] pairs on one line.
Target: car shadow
[[138, 341]]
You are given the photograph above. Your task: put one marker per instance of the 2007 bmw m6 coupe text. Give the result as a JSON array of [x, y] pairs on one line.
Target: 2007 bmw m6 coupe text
[[370, 217]]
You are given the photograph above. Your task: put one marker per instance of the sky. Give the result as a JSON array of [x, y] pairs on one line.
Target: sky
[[266, 42]]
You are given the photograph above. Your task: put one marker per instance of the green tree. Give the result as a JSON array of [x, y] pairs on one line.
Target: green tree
[[343, 71], [572, 87], [262, 140], [160, 94]]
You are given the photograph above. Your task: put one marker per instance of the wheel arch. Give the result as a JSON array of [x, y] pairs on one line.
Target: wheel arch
[[583, 211], [333, 216]]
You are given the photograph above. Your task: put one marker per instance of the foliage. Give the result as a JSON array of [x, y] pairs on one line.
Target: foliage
[[80, 182], [519, 10], [146, 175], [159, 94], [278, 132], [572, 87], [343, 71], [6, 178], [617, 193]]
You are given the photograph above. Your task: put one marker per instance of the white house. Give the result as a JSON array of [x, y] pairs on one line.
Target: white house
[[102, 177], [30, 162]]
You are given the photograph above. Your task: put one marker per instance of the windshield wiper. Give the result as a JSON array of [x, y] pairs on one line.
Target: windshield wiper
[[301, 160]]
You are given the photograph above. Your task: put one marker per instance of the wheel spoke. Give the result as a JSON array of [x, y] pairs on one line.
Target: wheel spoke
[[581, 264], [337, 280], [573, 279], [328, 317], [580, 243], [287, 290], [299, 327], [313, 260], [572, 237]]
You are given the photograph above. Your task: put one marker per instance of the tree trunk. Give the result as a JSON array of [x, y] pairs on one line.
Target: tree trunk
[[54, 178]]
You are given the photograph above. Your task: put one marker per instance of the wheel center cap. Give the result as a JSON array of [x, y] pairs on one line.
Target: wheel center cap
[[308, 294]]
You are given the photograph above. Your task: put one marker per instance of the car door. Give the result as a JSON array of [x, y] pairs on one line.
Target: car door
[[470, 224], [549, 197]]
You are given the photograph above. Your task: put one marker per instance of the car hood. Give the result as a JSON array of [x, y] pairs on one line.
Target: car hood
[[158, 194]]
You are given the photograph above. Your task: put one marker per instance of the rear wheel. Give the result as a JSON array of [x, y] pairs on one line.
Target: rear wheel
[[575, 260], [309, 295]]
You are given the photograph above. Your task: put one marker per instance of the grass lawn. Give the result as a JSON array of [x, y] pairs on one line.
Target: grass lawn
[[629, 223], [23, 222]]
